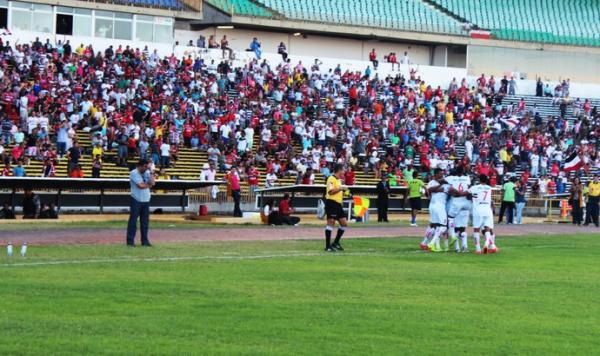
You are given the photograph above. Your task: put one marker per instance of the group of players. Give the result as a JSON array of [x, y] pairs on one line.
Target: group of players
[[452, 201]]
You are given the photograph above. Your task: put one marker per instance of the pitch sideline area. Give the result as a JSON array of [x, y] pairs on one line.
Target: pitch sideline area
[[81, 235], [287, 297]]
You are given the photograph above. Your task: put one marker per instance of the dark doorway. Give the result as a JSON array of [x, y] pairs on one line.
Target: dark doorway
[[3, 18], [64, 24]]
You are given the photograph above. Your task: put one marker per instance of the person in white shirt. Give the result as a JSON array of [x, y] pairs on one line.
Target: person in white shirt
[[483, 215], [438, 191], [165, 155], [270, 179], [208, 173], [459, 208]]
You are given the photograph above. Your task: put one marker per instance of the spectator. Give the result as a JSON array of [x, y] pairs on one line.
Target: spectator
[[31, 204], [520, 201], [7, 212], [225, 47], [208, 173], [285, 211], [201, 42], [269, 214], [255, 47], [282, 50], [76, 172], [253, 178], [373, 58], [576, 201], [212, 43], [48, 212], [508, 201], [270, 179], [383, 194], [141, 180], [96, 167], [234, 185]]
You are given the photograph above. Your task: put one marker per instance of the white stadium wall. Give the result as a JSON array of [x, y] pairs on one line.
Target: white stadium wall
[[311, 45]]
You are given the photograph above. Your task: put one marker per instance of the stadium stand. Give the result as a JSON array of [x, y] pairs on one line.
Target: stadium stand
[[562, 22], [129, 103], [411, 15], [241, 7]]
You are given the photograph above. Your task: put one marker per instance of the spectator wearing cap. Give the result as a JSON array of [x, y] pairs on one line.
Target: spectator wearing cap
[[141, 180]]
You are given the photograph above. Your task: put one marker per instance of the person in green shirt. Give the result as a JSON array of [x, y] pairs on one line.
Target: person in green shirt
[[408, 173], [409, 152], [415, 186], [508, 201]]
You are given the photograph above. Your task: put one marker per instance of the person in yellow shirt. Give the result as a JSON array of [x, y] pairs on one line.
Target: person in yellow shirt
[[593, 192], [334, 196], [449, 118]]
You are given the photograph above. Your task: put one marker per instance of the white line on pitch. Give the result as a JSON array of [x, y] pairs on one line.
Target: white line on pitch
[[183, 258]]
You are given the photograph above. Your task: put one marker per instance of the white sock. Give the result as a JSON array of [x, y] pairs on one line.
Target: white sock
[[428, 235], [451, 227], [476, 239], [488, 239], [457, 245], [463, 240], [439, 231], [493, 238]]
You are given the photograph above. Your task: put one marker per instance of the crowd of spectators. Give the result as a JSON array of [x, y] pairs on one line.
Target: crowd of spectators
[[306, 118]]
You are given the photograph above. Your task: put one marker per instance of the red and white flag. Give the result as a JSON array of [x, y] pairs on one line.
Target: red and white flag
[[511, 122], [573, 162]]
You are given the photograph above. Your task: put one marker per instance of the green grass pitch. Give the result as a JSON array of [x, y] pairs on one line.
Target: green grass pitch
[[539, 295]]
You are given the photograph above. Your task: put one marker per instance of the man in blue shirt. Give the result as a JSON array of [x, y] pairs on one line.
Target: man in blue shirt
[[141, 180], [19, 170]]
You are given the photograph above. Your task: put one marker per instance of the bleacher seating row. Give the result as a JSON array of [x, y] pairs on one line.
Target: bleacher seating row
[[547, 21], [241, 7]]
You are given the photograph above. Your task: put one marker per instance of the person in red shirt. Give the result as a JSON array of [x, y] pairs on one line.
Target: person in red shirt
[[349, 176], [373, 58], [253, 178], [6, 171], [233, 178], [285, 211]]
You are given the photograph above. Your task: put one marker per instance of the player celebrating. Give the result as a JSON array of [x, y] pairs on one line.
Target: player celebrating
[[438, 189], [459, 209], [334, 209], [483, 216]]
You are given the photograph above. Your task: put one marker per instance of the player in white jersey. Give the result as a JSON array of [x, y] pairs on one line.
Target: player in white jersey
[[483, 215], [438, 219], [459, 209]]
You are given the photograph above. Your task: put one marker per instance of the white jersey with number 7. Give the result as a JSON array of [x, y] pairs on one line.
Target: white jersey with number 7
[[482, 199]]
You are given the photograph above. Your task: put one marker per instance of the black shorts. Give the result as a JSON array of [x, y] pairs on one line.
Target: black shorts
[[415, 203], [334, 210]]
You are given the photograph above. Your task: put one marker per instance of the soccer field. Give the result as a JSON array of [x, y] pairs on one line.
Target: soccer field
[[538, 295]]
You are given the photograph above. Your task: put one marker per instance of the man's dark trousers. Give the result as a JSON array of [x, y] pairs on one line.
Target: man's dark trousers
[[141, 210]]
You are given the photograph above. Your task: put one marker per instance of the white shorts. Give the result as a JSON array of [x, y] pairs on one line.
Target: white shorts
[[462, 219], [458, 205], [481, 221], [437, 215]]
